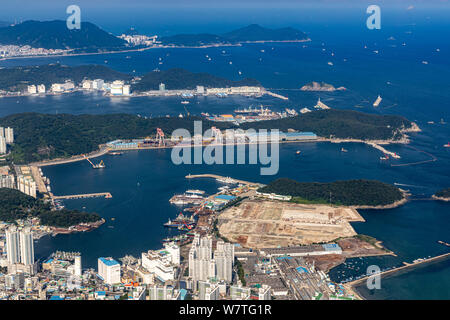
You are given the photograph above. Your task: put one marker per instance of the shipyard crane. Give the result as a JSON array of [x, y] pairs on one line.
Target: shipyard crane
[[100, 165], [160, 137]]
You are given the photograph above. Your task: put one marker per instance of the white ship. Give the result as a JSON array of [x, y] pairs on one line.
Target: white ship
[[377, 102], [227, 180]]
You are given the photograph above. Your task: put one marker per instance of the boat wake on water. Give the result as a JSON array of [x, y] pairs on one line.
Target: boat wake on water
[[407, 185]]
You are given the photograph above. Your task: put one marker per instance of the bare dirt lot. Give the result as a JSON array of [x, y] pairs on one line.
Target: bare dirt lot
[[268, 224]]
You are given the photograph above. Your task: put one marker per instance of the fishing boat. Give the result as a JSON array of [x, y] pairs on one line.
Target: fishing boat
[[377, 102]]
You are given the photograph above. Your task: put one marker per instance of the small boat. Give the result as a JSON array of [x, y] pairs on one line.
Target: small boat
[[298, 152], [447, 145], [330, 63], [386, 157], [344, 150], [184, 102]]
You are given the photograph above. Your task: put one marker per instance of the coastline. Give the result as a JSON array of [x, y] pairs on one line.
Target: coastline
[[435, 197], [102, 150], [217, 45]]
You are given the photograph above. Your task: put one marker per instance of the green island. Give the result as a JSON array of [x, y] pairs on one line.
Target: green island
[[251, 33], [15, 205], [18, 78], [178, 78], [347, 193], [443, 194], [66, 135], [55, 35]]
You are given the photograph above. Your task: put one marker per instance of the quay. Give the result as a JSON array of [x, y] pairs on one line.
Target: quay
[[352, 284], [215, 176], [377, 146], [106, 195], [276, 95]]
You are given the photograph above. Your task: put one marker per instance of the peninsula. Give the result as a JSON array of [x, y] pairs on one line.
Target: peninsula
[[15, 205], [354, 193], [250, 34], [443, 195], [65, 135]]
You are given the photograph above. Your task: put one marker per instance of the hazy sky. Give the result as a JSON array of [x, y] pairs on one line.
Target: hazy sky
[[115, 15]]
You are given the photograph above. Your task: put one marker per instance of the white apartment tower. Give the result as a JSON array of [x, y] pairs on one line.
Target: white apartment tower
[[109, 270], [9, 135], [224, 258], [77, 263], [20, 246], [41, 88], [26, 247], [12, 245], [2, 145], [201, 264]]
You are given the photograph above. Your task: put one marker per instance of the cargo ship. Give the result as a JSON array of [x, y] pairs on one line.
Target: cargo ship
[[377, 102], [189, 197], [180, 221]]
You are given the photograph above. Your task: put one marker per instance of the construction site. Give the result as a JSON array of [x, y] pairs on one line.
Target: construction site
[[269, 224]]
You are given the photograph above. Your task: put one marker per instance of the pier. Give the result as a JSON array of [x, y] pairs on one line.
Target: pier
[[215, 176], [377, 146], [106, 195], [276, 95], [405, 266]]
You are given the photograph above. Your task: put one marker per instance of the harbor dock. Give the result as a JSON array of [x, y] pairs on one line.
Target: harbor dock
[[106, 195], [215, 176], [351, 285]]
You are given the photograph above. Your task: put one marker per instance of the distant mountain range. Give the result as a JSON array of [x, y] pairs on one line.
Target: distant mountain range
[[56, 35], [251, 33]]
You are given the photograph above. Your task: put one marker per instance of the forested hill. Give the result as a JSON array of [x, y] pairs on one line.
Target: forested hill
[[16, 205], [56, 35], [349, 193], [251, 33], [46, 136], [342, 124], [444, 193]]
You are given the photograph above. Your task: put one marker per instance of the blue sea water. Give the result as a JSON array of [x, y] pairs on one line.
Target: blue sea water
[[143, 182]]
